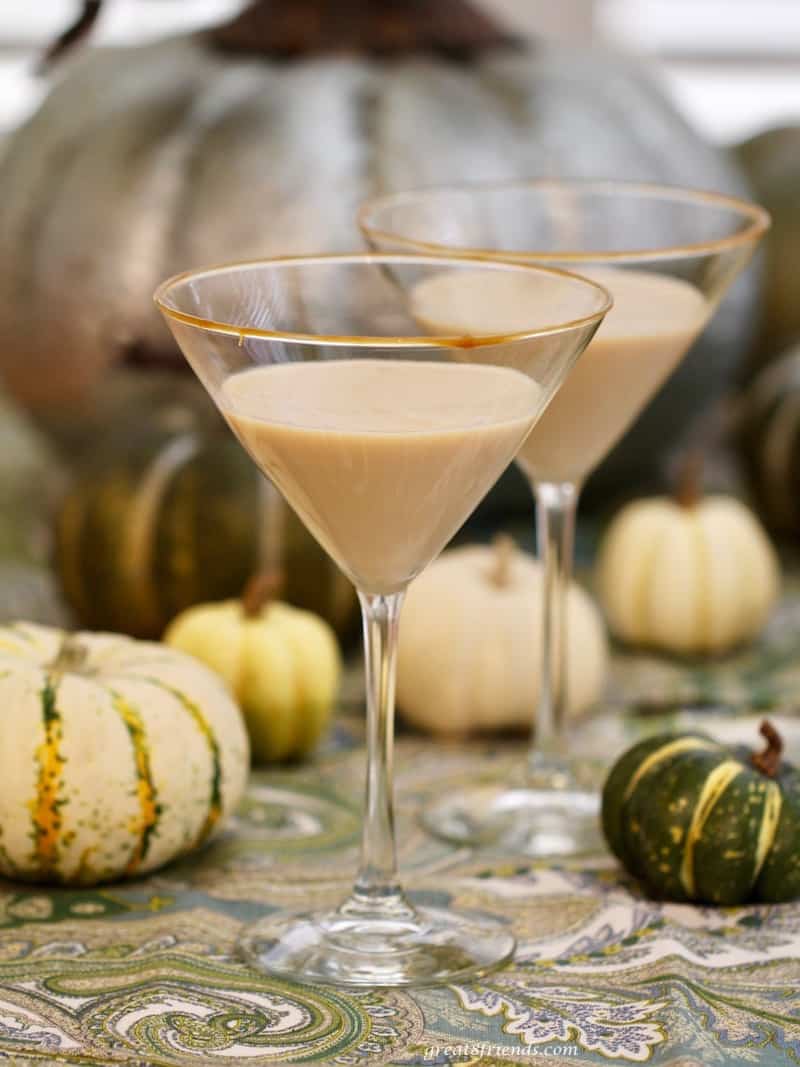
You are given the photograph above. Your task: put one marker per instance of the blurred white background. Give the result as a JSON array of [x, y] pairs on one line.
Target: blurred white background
[[732, 66]]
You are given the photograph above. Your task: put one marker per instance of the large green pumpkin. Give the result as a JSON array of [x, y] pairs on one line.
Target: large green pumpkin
[[772, 163], [262, 137], [696, 820], [31, 481], [769, 435], [171, 512]]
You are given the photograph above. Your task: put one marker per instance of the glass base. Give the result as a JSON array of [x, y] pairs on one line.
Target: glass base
[[290, 814], [532, 822], [412, 947]]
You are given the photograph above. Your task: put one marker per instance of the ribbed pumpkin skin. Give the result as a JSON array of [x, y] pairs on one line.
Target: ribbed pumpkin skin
[[112, 767], [145, 161], [770, 439], [175, 519], [691, 580], [780, 876], [166, 524], [695, 820], [771, 161], [282, 664], [469, 654]]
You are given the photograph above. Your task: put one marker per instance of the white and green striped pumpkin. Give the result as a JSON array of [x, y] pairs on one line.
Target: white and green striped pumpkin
[[116, 756], [696, 820]]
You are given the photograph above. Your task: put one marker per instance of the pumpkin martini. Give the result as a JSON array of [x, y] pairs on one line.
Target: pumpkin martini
[[667, 256], [384, 441]]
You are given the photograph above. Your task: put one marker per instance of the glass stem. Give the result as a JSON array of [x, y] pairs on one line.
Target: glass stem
[[556, 507], [377, 889]]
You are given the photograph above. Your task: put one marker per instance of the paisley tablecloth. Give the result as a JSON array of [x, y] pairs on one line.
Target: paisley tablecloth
[[146, 974]]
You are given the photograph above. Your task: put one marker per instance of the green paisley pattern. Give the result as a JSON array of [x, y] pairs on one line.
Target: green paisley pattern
[[144, 974]]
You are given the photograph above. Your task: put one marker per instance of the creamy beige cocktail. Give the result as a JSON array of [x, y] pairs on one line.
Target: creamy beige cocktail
[[653, 322], [382, 459]]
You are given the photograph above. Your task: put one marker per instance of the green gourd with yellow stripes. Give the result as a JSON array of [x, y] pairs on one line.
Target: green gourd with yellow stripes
[[697, 820], [116, 756]]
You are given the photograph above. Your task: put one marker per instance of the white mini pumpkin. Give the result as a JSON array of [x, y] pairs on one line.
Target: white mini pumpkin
[[470, 647], [116, 756], [688, 577]]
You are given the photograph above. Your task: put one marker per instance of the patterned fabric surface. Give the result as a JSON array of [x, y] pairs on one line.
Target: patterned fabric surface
[[146, 973]]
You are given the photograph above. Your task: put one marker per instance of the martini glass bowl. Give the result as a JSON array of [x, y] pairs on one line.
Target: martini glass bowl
[[383, 437], [668, 256]]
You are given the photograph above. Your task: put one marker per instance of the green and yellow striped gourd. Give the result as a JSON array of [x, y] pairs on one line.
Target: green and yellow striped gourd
[[697, 820], [116, 756]]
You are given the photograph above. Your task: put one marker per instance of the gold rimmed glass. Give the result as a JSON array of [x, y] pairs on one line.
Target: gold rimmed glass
[[383, 438], [668, 256]]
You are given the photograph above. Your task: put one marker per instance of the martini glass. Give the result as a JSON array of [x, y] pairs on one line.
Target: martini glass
[[383, 440], [668, 256]]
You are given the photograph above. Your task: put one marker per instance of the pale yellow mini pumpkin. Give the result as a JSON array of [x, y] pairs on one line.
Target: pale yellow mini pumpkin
[[690, 577], [282, 664], [116, 756], [469, 643]]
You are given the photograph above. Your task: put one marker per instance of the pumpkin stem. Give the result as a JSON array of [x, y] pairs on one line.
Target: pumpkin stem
[[689, 482], [769, 761], [293, 28], [504, 549], [259, 591], [72, 656], [72, 35]]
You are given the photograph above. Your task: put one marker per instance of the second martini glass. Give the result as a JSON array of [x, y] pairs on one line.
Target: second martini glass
[[383, 441], [668, 256]]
